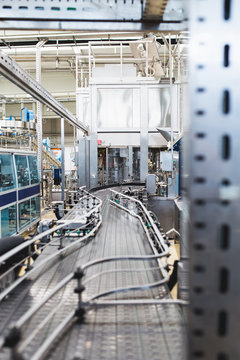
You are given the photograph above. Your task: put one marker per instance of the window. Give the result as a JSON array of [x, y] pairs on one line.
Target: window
[[22, 170], [8, 221], [35, 207], [7, 174], [33, 167], [24, 213]]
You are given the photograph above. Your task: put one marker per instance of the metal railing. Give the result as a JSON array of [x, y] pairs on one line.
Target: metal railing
[[96, 221], [13, 339]]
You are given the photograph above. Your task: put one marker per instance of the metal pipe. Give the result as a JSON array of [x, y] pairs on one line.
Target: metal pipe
[[130, 288], [116, 271], [22, 246], [38, 306], [44, 348], [67, 34], [138, 302], [121, 62], [51, 257], [146, 70], [28, 340], [165, 247]]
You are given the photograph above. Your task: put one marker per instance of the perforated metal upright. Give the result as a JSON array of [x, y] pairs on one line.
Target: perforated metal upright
[[214, 180]]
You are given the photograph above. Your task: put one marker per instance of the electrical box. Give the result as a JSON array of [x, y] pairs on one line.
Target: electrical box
[[166, 161]]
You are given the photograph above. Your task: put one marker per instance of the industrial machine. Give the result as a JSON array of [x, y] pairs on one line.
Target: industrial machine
[[19, 191]]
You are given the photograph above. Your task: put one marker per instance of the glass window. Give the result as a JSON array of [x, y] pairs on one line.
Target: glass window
[[22, 170], [9, 221], [35, 207], [24, 213], [7, 174], [33, 168]]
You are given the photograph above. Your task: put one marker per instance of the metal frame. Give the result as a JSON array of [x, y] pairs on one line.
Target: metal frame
[[14, 152], [213, 191], [12, 71], [126, 15], [18, 347]]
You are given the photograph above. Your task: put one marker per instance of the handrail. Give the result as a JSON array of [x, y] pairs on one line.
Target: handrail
[[44, 348], [42, 248], [61, 251], [27, 243], [82, 305], [156, 230], [38, 306]]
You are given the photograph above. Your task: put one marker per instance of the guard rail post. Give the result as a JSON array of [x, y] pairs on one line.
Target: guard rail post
[[80, 311]]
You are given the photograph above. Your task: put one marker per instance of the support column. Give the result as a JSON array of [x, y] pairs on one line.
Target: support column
[[93, 151], [93, 157], [144, 133], [107, 166], [63, 163], [171, 91], [39, 112], [130, 161], [212, 186], [81, 162]]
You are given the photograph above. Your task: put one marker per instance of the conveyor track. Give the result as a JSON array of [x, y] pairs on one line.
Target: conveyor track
[[110, 332]]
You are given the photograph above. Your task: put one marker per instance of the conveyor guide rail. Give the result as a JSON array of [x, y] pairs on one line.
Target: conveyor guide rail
[[92, 209], [13, 338]]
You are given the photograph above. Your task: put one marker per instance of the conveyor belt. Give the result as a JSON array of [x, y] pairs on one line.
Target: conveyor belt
[[116, 332]]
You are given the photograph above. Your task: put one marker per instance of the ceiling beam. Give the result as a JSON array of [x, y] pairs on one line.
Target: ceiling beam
[[13, 72]]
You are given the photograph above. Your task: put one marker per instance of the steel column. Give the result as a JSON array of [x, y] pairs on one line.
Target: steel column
[[63, 158], [81, 169], [130, 161], [93, 150], [213, 190], [144, 132], [39, 111]]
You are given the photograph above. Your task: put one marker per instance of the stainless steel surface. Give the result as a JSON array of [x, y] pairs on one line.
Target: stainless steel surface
[[213, 195], [117, 108], [159, 107], [122, 331], [13, 72]]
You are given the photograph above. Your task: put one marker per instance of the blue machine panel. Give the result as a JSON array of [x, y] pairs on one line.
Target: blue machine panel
[[25, 193], [8, 198], [19, 177]]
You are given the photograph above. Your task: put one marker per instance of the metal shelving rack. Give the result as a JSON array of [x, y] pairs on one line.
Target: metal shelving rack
[[213, 191]]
